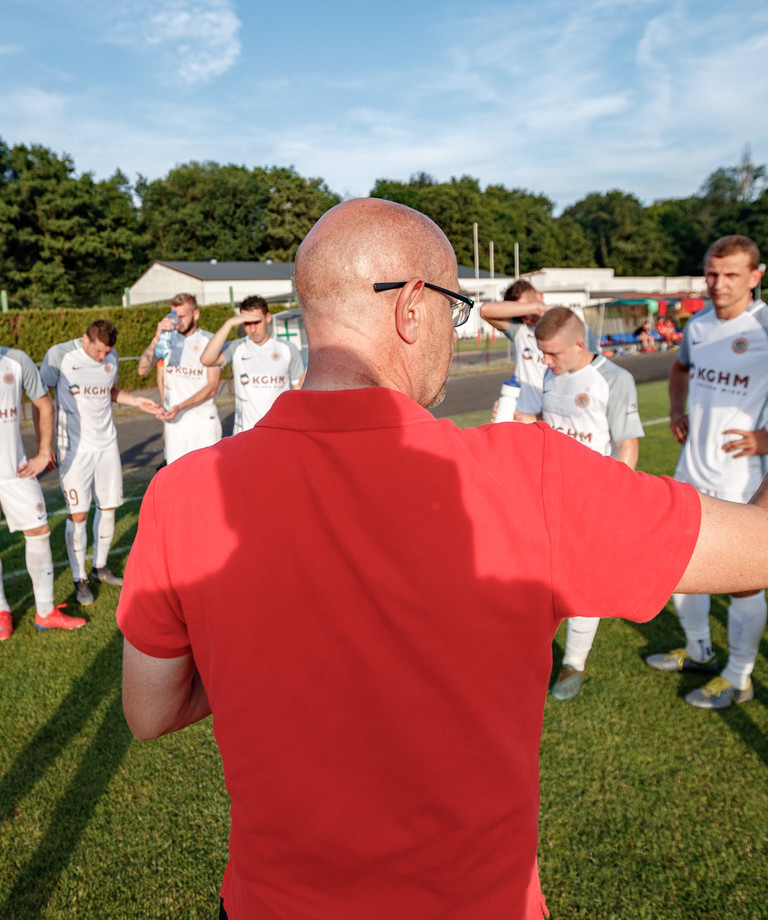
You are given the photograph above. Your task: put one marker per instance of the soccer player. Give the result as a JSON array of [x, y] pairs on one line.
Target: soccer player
[[516, 316], [593, 401], [379, 712], [262, 367], [722, 371], [83, 375], [187, 386], [21, 497]]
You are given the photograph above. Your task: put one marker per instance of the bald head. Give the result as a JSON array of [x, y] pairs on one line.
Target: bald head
[[400, 338], [358, 243]]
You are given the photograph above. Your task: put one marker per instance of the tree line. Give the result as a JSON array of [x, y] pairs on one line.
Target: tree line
[[68, 240]]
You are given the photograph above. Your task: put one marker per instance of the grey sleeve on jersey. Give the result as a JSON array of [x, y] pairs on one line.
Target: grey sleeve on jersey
[[30, 376], [684, 351], [228, 349], [296, 366], [51, 366], [514, 325], [531, 400], [623, 416]]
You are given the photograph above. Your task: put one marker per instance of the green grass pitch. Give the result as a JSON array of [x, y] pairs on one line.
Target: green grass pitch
[[649, 808]]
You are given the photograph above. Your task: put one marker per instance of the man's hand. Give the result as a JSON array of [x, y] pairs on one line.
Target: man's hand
[[168, 415], [748, 443], [679, 427], [148, 405], [34, 466], [166, 324]]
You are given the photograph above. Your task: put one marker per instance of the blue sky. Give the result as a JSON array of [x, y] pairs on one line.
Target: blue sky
[[558, 97]]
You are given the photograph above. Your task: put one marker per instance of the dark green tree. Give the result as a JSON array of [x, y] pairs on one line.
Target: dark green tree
[[67, 240], [623, 234]]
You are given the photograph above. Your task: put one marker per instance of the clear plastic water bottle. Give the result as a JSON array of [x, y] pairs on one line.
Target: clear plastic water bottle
[[163, 347], [510, 393]]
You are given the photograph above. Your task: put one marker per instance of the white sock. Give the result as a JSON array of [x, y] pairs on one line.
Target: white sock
[[693, 612], [746, 622], [40, 568], [103, 534], [4, 605], [579, 639], [76, 538]]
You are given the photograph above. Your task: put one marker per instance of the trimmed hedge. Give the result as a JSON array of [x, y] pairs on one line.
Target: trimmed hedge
[[34, 331]]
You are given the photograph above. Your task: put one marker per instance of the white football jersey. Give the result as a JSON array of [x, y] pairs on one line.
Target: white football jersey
[[727, 388], [17, 373], [184, 375], [261, 373], [596, 405], [83, 389], [529, 361]]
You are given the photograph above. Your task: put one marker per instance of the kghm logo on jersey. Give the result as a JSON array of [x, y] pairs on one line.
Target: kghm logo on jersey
[[740, 345], [582, 400], [8, 378], [74, 389], [244, 378]]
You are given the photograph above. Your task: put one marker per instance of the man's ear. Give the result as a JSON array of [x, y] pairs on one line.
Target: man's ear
[[408, 310]]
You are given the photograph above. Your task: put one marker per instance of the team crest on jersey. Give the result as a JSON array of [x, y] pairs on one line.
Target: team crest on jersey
[[275, 356], [8, 378], [107, 368], [740, 345], [39, 508], [582, 400], [74, 389], [527, 354], [196, 348]]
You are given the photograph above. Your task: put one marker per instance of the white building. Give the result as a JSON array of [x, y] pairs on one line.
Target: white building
[[229, 282], [213, 282]]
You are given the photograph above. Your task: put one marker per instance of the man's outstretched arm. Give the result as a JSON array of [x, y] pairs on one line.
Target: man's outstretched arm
[[731, 552]]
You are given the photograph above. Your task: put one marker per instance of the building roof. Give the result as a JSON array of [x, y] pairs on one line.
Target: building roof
[[260, 271], [233, 271]]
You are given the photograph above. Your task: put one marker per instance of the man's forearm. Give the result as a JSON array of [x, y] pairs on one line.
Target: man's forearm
[[212, 351], [148, 358], [628, 451], [42, 414]]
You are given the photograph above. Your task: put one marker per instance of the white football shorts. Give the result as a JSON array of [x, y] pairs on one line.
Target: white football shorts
[[22, 504], [87, 474], [182, 439]]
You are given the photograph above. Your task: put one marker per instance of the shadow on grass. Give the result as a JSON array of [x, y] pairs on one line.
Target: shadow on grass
[[664, 633], [38, 879]]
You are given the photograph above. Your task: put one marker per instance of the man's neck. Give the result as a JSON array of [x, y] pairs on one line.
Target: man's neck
[[734, 310]]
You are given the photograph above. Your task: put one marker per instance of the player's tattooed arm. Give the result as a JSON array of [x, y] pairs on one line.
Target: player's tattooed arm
[[148, 358]]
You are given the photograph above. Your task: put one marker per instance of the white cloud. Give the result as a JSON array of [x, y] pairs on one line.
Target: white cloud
[[198, 39]]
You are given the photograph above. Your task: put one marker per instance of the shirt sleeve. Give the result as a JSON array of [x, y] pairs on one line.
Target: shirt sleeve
[[621, 411], [30, 377], [531, 399], [684, 351], [652, 527], [296, 367], [51, 367], [149, 613], [228, 350]]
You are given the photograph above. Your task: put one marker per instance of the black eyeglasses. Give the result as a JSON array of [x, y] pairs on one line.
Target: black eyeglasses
[[460, 305]]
